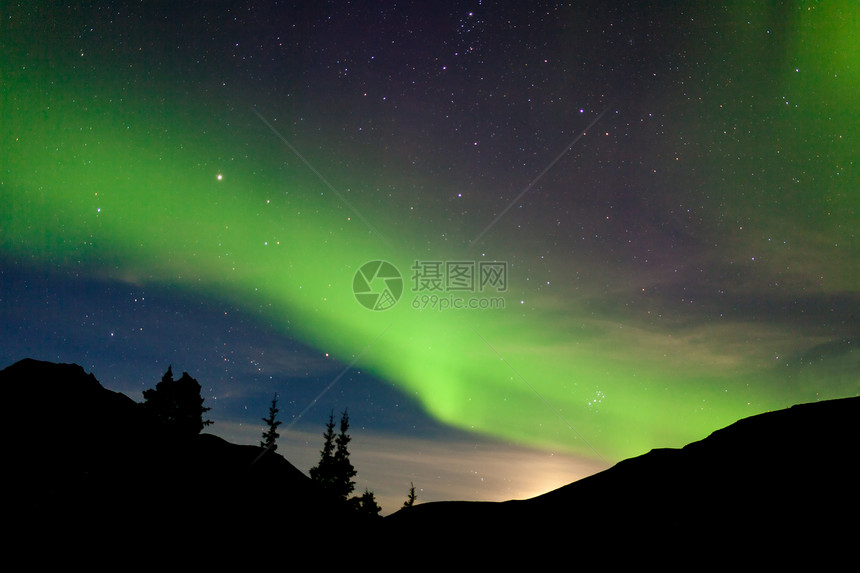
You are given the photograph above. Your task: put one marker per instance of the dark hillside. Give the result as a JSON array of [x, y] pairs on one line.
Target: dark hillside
[[84, 462], [780, 483]]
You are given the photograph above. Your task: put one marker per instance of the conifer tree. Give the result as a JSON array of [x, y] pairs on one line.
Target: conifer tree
[[323, 473], [343, 468], [271, 434], [367, 504], [410, 499], [177, 404], [334, 472]]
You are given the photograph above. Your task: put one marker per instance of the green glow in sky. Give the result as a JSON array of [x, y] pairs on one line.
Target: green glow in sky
[[148, 191]]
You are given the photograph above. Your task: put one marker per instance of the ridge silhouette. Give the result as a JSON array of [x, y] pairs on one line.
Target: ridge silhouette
[[91, 464], [88, 463]]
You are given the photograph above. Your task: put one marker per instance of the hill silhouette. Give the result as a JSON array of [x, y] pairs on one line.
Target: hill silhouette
[[87, 463], [774, 486], [91, 464]]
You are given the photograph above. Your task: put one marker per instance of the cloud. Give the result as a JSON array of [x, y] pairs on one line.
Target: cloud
[[441, 469]]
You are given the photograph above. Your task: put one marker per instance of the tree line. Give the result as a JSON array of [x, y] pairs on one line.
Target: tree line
[[178, 405], [334, 473]]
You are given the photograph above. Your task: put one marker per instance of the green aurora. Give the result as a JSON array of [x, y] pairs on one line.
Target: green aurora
[[125, 186]]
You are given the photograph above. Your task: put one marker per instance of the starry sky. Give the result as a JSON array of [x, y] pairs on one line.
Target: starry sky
[[518, 241]]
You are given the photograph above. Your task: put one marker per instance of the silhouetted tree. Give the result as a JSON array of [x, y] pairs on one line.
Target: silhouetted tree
[[410, 499], [271, 435], [367, 504], [323, 473], [334, 472], [177, 404], [344, 470]]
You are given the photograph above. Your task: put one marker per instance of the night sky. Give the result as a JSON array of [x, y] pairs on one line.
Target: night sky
[[613, 226]]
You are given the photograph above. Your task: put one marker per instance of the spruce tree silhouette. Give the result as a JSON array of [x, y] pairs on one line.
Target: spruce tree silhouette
[[323, 473], [334, 472], [271, 435], [177, 404], [344, 470], [367, 504], [410, 499]]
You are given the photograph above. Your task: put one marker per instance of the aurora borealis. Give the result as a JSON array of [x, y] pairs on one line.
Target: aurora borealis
[[673, 194]]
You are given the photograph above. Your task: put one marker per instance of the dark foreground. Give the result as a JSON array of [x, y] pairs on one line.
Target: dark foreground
[[91, 478]]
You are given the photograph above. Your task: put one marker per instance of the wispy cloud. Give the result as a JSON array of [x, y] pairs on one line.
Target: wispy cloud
[[452, 469]]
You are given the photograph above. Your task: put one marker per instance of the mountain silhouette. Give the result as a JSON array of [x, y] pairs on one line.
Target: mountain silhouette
[[775, 486], [85, 464]]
